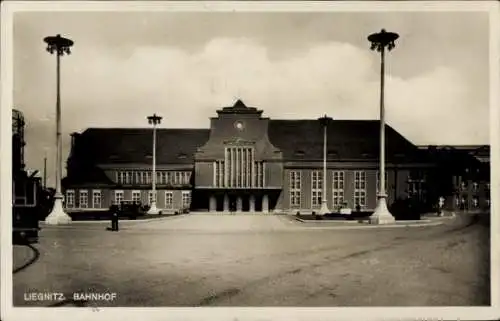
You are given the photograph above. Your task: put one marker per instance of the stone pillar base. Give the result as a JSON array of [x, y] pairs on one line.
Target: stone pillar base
[[153, 210], [239, 204], [226, 203], [57, 216], [382, 214], [252, 203], [324, 209], [213, 204], [265, 204]]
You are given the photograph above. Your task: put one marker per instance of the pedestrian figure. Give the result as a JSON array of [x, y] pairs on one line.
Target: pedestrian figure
[[114, 220], [358, 208]]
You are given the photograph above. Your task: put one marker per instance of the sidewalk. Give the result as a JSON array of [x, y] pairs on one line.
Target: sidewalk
[[430, 219]]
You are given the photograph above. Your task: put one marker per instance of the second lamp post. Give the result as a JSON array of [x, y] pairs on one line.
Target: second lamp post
[[380, 42], [154, 120], [324, 121]]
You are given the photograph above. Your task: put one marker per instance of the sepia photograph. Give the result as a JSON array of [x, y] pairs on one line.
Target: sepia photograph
[[249, 155]]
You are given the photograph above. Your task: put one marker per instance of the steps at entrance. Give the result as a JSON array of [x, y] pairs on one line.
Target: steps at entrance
[[230, 213]]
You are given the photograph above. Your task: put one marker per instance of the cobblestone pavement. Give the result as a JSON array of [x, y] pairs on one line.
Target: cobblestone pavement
[[236, 260]]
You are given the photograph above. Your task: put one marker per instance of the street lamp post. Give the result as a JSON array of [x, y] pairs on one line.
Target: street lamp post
[[324, 202], [60, 46], [379, 42], [154, 120]]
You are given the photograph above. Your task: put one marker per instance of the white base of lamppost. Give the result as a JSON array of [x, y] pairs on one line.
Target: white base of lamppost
[[324, 209], [57, 215], [382, 214], [153, 210]]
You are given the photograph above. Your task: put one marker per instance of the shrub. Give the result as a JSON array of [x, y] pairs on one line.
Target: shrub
[[406, 209]]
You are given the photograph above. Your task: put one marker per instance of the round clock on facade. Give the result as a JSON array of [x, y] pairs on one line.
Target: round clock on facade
[[239, 125]]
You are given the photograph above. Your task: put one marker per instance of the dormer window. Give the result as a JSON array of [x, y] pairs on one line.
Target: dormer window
[[182, 156], [299, 153]]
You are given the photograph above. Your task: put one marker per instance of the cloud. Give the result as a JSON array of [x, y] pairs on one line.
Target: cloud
[[105, 88]]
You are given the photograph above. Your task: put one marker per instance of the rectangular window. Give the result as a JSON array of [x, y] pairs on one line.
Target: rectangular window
[[186, 199], [475, 187], [295, 188], [475, 202], [360, 188], [316, 187], [96, 198], [148, 178], [177, 179], [127, 177], [238, 169], [187, 177], [70, 198], [119, 196], [338, 188], [136, 196], [120, 177], [217, 171], [84, 198], [169, 199]]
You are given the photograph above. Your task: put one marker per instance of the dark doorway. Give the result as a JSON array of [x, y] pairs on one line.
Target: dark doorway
[[232, 203], [246, 203], [220, 203]]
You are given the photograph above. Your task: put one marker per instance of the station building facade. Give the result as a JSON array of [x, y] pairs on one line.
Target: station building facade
[[247, 163]]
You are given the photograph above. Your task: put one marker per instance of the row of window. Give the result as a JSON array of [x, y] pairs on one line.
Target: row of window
[[118, 197], [462, 202], [338, 186], [145, 177], [83, 198], [475, 186], [239, 169]]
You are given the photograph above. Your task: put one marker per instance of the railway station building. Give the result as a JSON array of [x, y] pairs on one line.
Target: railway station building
[[249, 163]]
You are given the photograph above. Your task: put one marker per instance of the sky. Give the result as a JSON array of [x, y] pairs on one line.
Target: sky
[[184, 66]]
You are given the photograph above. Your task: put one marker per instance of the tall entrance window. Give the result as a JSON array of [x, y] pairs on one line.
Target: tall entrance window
[[239, 169]]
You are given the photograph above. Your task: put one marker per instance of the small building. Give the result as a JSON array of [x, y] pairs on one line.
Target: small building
[[244, 162]]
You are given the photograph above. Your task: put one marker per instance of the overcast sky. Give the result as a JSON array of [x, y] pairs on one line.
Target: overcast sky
[[184, 66]]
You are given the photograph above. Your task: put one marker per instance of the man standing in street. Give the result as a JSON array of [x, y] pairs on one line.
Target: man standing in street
[[114, 219]]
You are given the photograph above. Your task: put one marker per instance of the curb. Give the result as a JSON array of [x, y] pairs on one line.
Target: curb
[[372, 226], [332, 224], [42, 223]]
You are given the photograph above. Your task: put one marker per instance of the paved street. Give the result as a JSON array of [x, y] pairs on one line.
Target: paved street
[[207, 260]]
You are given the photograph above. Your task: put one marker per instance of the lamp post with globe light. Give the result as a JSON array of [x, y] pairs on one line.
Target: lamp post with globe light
[[154, 120], [380, 42], [60, 46]]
